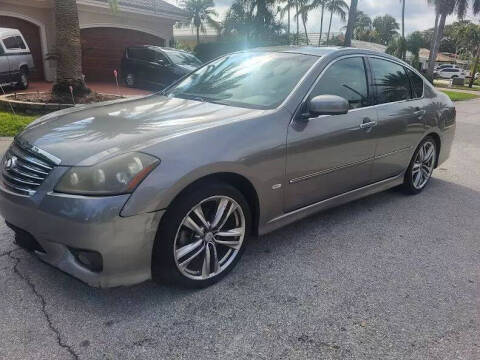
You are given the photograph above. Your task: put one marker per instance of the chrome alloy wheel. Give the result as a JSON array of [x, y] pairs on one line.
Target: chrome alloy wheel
[[209, 237], [423, 165]]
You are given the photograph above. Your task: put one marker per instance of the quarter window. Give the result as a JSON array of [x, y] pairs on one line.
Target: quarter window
[[417, 84], [346, 78], [21, 43], [391, 81]]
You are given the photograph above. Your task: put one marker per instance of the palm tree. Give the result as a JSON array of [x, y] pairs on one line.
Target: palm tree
[[403, 41], [303, 10], [352, 19], [444, 8], [199, 12], [363, 24], [337, 7], [315, 4], [68, 52], [386, 28]]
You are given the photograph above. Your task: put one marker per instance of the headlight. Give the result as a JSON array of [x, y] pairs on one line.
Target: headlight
[[118, 175]]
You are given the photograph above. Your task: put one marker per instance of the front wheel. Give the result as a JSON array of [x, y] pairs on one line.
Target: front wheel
[[421, 166], [23, 80], [202, 236]]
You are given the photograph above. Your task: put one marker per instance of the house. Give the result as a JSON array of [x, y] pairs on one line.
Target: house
[[442, 58], [104, 33]]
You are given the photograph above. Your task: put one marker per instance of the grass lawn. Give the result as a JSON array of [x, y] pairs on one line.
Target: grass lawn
[[11, 125], [458, 96], [460, 87]]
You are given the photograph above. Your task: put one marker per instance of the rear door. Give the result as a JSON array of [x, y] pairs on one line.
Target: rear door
[[332, 154], [400, 110]]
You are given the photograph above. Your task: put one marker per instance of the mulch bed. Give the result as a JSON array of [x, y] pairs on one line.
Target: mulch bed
[[46, 98]]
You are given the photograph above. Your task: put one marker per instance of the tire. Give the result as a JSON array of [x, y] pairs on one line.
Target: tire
[[180, 254], [421, 168], [23, 82], [130, 80]]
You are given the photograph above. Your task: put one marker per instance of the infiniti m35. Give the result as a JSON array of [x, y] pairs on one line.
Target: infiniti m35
[[172, 185]]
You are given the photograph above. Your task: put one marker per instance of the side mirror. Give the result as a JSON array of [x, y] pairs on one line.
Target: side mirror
[[328, 105]]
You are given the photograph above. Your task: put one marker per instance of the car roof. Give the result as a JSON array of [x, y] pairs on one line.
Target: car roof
[[9, 31]]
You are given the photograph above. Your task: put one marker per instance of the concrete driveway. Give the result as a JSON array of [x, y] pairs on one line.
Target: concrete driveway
[[387, 277]]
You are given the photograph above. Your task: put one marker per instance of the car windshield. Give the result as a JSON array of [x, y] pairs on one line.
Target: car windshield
[[183, 58], [259, 80]]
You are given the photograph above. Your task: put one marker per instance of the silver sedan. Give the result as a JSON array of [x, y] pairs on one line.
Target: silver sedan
[[172, 185]]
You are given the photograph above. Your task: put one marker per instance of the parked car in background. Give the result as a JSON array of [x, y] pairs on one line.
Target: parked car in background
[[156, 66], [444, 66], [16, 61], [450, 73], [171, 185]]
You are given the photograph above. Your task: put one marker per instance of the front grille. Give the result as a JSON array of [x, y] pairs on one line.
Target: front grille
[[23, 171]]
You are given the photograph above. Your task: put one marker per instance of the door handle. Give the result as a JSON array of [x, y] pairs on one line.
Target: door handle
[[420, 113], [367, 124]]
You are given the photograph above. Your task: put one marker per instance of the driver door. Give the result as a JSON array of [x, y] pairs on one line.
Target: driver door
[[328, 155]]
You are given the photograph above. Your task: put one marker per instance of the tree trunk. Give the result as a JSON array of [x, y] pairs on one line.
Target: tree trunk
[[436, 44], [298, 24], [404, 54], [475, 67], [321, 26], [329, 27], [288, 29], [198, 35], [69, 53], [432, 42], [305, 29], [352, 15]]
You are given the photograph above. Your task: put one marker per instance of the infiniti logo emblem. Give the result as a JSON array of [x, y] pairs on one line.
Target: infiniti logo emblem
[[10, 163]]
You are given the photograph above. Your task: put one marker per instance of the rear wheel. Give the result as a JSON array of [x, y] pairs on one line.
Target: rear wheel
[[202, 236], [421, 166], [130, 80]]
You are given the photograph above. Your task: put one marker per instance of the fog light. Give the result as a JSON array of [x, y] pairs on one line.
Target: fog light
[[92, 260]]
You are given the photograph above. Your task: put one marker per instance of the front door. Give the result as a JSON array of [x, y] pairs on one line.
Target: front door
[[332, 154]]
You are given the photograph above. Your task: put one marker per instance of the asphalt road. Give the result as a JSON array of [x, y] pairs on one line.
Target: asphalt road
[[387, 277]]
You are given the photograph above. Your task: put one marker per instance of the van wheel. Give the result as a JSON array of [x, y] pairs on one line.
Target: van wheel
[[202, 236], [130, 80], [421, 167], [23, 81]]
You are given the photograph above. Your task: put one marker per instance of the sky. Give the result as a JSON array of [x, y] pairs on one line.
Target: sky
[[418, 14]]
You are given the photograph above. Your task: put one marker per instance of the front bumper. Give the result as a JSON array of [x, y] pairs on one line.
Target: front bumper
[[61, 222]]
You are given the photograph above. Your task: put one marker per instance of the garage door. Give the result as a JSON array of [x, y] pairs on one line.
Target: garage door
[[31, 33], [102, 49]]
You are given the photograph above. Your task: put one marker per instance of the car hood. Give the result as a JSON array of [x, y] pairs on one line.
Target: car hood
[[85, 135]]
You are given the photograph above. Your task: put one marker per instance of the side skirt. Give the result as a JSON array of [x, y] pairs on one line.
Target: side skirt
[[337, 200]]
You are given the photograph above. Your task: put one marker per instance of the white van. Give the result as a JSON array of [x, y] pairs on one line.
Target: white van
[[16, 61]]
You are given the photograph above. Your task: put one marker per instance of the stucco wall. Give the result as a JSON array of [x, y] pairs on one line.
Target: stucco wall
[[89, 16], [45, 20]]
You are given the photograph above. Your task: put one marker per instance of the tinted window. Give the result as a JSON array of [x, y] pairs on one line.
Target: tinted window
[[391, 81], [141, 54], [11, 43], [183, 58], [259, 80], [346, 78], [417, 84]]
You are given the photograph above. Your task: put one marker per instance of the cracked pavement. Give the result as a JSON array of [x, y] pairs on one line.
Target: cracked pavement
[[386, 277]]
